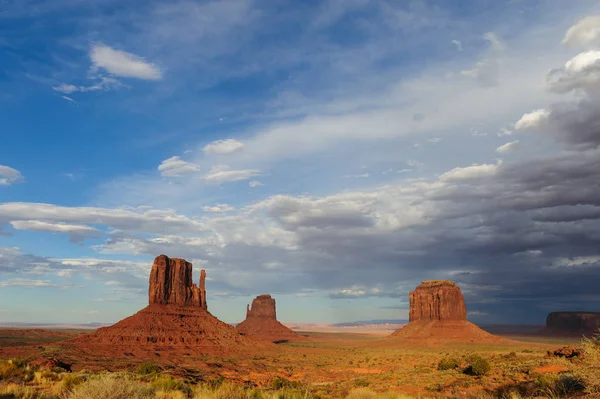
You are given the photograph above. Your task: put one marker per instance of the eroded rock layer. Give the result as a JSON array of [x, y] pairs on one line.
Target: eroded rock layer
[[176, 321], [437, 300], [171, 283], [261, 322], [438, 313]]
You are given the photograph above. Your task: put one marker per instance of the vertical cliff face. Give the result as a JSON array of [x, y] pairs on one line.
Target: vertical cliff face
[[263, 306], [171, 283], [437, 300]]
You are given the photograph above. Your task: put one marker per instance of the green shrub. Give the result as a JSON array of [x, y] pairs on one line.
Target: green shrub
[[361, 383], [478, 366], [448, 364], [146, 368]]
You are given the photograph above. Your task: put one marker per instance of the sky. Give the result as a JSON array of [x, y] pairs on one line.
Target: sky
[[332, 153]]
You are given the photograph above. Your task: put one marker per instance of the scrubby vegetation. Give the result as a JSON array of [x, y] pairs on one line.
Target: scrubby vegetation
[[464, 371]]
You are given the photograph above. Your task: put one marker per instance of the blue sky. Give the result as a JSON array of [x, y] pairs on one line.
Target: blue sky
[[332, 153]]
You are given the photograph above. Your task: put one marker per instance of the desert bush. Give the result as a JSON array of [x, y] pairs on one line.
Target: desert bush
[[361, 383], [146, 368], [587, 370], [18, 391], [281, 383], [69, 382], [362, 393], [114, 386], [447, 364], [15, 370], [166, 383], [478, 366]]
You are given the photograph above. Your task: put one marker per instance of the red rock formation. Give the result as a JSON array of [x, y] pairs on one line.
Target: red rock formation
[[171, 284], [437, 300], [438, 313], [262, 306], [261, 322], [572, 323], [176, 321]]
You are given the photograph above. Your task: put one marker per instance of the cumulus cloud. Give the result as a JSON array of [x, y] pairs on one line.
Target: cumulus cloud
[[219, 208], [585, 32], [580, 72], [121, 63], [508, 147], [175, 166], [255, 183], [9, 176], [533, 119], [471, 172], [222, 147], [222, 174]]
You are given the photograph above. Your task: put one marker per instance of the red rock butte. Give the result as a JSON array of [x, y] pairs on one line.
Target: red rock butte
[[176, 320], [572, 323], [438, 312], [261, 322]]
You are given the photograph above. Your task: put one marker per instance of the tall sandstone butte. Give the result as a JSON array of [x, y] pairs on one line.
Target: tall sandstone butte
[[572, 323], [176, 321], [261, 322], [437, 300], [262, 306], [438, 313], [171, 283]]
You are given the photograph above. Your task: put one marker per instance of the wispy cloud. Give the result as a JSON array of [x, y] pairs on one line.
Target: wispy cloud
[[9, 176], [121, 63]]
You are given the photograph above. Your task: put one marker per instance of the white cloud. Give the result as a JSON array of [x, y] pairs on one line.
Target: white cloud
[[36, 225], [580, 72], [471, 172], [25, 282], [223, 173], [458, 44], [9, 176], [175, 166], [138, 219], [222, 147], [65, 88], [585, 32], [508, 147], [359, 176], [255, 183], [533, 119], [486, 70], [67, 99], [123, 64], [53, 227], [219, 208]]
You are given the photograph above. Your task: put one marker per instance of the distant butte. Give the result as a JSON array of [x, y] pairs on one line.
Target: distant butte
[[176, 321], [572, 323], [438, 312], [261, 322]]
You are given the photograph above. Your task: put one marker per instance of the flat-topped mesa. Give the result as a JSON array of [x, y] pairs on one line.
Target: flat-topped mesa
[[263, 306], [437, 300], [573, 322], [171, 283]]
